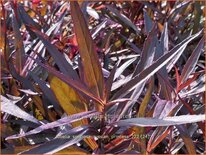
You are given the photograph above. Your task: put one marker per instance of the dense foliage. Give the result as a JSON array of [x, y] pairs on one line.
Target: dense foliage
[[102, 77]]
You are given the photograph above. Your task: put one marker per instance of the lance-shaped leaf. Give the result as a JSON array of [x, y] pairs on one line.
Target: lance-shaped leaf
[[191, 62], [176, 10], [176, 58], [47, 92], [109, 83], [163, 108], [157, 65], [190, 131], [93, 76], [122, 68], [123, 19], [167, 121], [39, 45], [58, 57], [81, 88], [27, 84], [60, 122], [20, 53], [161, 132], [66, 90], [147, 97], [68, 98], [162, 48], [147, 57], [142, 111], [62, 142], [147, 22], [26, 18], [146, 60], [164, 41], [157, 136], [8, 106], [187, 139], [148, 52]]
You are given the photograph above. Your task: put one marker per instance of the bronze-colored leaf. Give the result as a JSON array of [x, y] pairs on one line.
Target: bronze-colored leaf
[[93, 76]]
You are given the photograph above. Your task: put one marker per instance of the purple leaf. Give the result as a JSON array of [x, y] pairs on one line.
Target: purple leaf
[[59, 59], [81, 88], [163, 108], [164, 40], [70, 138], [157, 65], [109, 82], [60, 122], [28, 91], [121, 69], [180, 48], [8, 106], [147, 22], [167, 121], [47, 92], [19, 47], [192, 61], [123, 18]]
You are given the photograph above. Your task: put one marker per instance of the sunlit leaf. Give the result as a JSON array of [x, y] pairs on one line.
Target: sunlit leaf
[[158, 64], [60, 122], [167, 121], [8, 106], [59, 143]]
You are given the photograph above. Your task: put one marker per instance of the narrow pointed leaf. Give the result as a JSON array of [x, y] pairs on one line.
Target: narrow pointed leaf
[[157, 65], [157, 136], [147, 22], [121, 69], [59, 143], [192, 61], [58, 57], [164, 40], [68, 98], [182, 48], [109, 82], [187, 139], [47, 92], [20, 53], [187, 83], [167, 121], [163, 48], [123, 19], [147, 97], [93, 72], [163, 108], [177, 77], [8, 106], [71, 82], [60, 122], [148, 51]]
